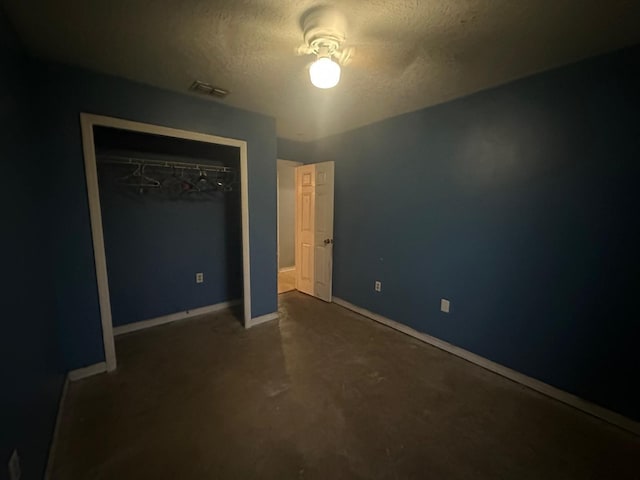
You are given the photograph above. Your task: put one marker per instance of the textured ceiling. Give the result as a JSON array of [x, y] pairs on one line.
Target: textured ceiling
[[409, 54]]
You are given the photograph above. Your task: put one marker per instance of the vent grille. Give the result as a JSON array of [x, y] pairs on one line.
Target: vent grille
[[208, 89]]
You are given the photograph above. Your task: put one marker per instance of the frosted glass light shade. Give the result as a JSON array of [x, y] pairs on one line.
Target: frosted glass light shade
[[324, 73]]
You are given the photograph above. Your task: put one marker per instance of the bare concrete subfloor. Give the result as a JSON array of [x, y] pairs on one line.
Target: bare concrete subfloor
[[321, 394]]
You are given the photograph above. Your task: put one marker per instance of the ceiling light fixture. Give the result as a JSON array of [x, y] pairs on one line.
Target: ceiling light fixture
[[324, 32], [324, 72]]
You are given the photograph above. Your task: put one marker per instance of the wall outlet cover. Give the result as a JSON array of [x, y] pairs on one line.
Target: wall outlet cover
[[199, 277], [444, 305], [378, 286], [14, 466]]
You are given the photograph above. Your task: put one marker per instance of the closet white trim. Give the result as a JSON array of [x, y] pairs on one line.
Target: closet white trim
[[87, 122], [262, 319], [85, 372]]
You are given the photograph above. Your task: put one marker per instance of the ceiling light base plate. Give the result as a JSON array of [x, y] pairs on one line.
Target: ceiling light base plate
[[324, 29]]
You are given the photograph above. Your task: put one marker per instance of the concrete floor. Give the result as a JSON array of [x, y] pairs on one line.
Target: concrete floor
[[321, 394]]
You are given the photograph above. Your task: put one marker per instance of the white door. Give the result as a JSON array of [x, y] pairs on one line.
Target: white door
[[314, 229]]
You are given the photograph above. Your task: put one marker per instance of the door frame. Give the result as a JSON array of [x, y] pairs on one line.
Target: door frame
[[330, 165], [294, 164], [87, 122]]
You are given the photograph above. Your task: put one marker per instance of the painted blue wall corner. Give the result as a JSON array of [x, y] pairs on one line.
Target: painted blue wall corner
[[294, 150], [31, 374], [82, 91], [519, 204]]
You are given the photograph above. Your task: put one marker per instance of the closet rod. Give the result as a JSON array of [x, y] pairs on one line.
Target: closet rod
[[161, 163]]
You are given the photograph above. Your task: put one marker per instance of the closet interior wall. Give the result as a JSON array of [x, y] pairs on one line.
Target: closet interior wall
[[170, 210]]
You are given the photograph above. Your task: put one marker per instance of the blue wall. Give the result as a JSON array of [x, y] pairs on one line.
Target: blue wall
[[156, 243], [51, 315], [293, 150], [30, 372], [520, 205], [81, 91]]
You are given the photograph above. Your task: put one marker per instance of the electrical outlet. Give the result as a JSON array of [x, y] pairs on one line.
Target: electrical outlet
[[200, 277], [378, 286], [444, 305], [14, 466]]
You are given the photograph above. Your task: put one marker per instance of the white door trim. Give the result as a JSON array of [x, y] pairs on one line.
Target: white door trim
[[87, 122], [262, 319], [292, 164]]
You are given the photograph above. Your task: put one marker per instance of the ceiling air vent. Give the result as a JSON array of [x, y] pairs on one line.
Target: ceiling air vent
[[208, 89]]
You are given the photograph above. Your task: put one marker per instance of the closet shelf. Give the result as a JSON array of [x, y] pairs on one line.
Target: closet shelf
[[131, 160]]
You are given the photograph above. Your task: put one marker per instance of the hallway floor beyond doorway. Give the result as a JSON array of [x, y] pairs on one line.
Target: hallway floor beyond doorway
[[286, 280], [323, 393]]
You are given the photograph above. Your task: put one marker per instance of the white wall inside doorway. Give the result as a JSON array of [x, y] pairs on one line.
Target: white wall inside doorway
[[286, 213]]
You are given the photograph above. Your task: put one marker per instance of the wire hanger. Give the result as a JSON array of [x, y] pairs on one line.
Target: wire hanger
[[139, 180]]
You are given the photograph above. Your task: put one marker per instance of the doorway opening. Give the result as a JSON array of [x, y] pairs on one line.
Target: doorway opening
[[286, 225], [169, 219], [308, 211], [314, 229]]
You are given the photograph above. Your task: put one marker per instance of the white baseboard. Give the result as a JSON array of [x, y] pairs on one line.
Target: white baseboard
[[85, 372], [154, 322], [262, 319], [546, 389], [72, 376], [56, 430]]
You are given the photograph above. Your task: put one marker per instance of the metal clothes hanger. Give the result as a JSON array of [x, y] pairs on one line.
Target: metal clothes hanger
[[139, 180], [187, 185], [173, 183]]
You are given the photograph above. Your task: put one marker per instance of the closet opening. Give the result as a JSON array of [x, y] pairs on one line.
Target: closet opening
[[169, 223]]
